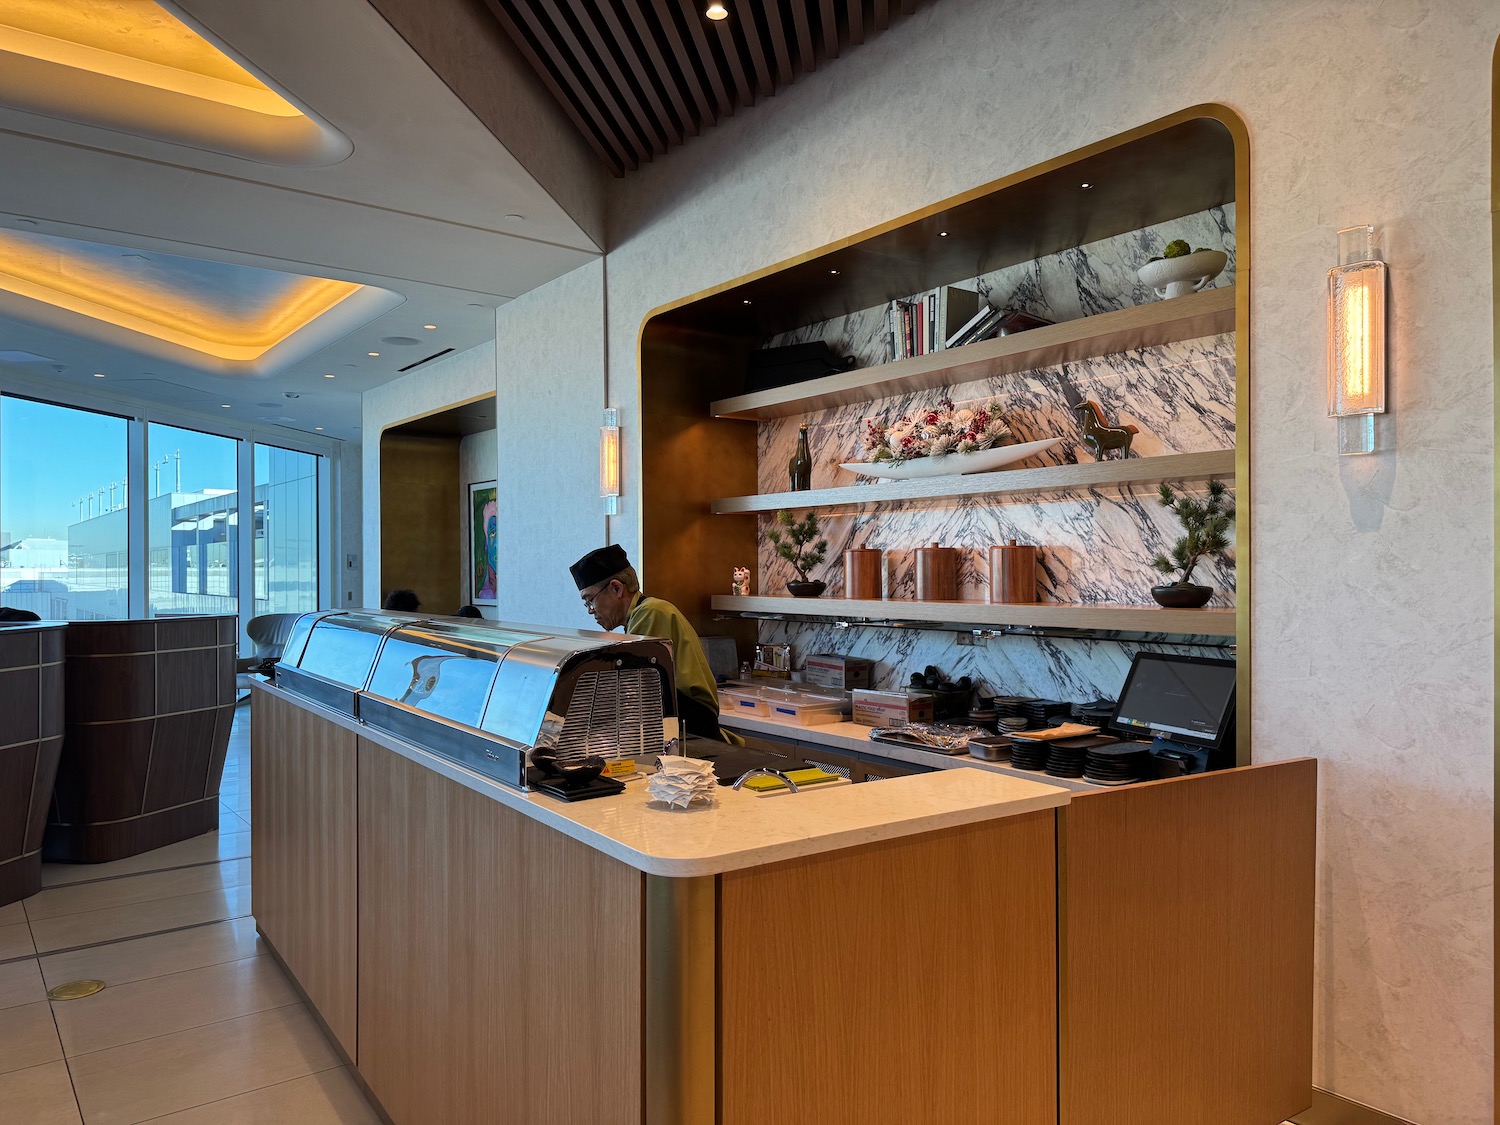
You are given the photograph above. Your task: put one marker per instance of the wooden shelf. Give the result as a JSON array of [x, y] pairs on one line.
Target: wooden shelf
[[1135, 470], [1091, 618], [1161, 322]]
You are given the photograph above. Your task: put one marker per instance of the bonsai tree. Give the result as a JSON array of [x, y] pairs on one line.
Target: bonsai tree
[[797, 541], [1207, 522]]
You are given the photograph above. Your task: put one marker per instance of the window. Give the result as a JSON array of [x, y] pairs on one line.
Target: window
[[64, 525], [286, 530], [192, 525]]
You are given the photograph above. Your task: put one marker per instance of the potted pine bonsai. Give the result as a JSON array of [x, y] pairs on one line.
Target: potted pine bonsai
[[798, 543], [1208, 524]]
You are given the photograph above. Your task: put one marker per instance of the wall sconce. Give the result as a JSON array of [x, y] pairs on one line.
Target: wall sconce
[[609, 462], [1356, 340]]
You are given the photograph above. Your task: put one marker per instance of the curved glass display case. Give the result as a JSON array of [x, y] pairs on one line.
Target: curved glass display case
[[483, 693]]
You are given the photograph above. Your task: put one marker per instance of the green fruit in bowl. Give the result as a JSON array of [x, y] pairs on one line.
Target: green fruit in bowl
[[1177, 248]]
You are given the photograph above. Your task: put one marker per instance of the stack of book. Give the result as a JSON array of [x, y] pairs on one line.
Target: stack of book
[[926, 323]]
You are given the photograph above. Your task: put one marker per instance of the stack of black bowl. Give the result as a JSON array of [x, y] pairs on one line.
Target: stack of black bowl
[[1066, 757], [1028, 755], [1044, 713], [1119, 764], [1008, 716], [1096, 713]]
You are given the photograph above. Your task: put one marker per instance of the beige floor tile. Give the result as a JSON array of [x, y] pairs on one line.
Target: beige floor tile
[[211, 847], [174, 1072], [143, 1009], [21, 983], [139, 919], [121, 962], [39, 1095], [328, 1098], [27, 1037], [15, 941], [57, 902], [11, 913]]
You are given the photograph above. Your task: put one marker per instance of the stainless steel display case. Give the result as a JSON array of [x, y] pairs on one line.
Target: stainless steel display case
[[485, 694]]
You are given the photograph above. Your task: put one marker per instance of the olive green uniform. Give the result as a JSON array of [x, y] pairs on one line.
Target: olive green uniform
[[698, 695]]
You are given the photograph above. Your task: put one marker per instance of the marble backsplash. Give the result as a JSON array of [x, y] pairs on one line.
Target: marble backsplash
[[1096, 544]]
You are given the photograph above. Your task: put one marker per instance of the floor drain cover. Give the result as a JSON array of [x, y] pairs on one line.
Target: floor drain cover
[[75, 990]]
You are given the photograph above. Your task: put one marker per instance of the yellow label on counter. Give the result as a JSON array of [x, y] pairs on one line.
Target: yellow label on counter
[[619, 767]]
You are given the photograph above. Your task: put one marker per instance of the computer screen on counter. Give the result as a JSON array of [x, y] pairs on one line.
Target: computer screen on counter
[[1187, 699]]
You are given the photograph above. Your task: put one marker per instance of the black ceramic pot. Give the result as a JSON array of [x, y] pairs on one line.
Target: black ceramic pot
[[806, 589], [1182, 597]]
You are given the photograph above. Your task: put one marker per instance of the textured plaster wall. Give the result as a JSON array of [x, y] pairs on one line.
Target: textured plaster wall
[[449, 382], [1373, 619], [548, 409]]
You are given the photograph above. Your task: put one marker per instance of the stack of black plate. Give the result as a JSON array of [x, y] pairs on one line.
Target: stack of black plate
[[1119, 764], [1095, 714], [1026, 755], [1066, 756], [1008, 716], [1044, 713]]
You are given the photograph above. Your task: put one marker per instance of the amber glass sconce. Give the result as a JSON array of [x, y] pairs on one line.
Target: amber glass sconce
[[1356, 340], [609, 462]]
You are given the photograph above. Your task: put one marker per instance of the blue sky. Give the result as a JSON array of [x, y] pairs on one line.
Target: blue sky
[[52, 455]]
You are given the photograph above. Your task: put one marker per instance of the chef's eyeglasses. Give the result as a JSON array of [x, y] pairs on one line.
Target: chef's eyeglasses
[[589, 599]]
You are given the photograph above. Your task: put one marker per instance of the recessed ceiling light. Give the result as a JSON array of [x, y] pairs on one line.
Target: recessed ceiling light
[[224, 406], [25, 222], [98, 374], [716, 10], [477, 305], [942, 234], [516, 218], [1085, 185], [429, 327], [329, 375], [833, 271], [318, 428], [372, 354], [745, 302], [290, 394]]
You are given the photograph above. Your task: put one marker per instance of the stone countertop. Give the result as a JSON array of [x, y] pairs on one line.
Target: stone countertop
[[740, 830], [855, 738]]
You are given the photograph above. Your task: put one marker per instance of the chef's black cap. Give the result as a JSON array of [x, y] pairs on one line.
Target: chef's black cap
[[596, 566]]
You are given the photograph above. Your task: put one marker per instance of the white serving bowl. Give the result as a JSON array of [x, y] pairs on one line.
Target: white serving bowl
[[1175, 277]]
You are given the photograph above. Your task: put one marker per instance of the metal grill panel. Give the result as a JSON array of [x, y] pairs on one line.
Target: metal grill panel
[[614, 713]]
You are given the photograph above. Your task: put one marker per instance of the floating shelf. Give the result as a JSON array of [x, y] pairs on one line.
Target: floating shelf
[[1161, 322], [1089, 618], [1134, 470]]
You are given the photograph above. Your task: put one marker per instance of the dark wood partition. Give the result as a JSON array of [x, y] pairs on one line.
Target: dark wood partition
[[149, 707], [31, 736]]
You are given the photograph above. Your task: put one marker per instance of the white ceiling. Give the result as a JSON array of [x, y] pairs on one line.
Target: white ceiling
[[428, 205]]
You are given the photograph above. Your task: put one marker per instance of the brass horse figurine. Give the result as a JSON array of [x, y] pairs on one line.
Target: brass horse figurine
[[1099, 435]]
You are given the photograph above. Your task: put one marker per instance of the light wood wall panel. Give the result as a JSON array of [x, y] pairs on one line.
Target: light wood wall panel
[[1187, 946], [303, 854], [421, 546], [911, 982], [500, 961]]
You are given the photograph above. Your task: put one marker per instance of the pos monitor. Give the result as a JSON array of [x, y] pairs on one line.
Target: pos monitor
[[1187, 701]]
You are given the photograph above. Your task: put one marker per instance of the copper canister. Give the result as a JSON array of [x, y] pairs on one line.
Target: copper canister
[[937, 574], [862, 573], [1013, 573]]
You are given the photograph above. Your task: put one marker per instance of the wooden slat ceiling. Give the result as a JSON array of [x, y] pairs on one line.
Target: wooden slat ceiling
[[639, 77]]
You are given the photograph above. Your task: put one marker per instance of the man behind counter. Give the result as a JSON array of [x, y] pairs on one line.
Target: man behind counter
[[611, 592]]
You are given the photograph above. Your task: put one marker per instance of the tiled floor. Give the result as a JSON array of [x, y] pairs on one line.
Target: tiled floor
[[198, 1025]]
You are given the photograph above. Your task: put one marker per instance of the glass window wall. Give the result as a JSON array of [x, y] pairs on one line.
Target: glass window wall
[[64, 525], [286, 530], [192, 526]]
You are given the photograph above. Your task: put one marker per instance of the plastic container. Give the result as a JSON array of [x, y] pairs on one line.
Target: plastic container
[[741, 701], [805, 711]]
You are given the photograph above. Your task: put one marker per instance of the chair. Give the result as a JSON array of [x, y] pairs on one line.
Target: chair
[[268, 632]]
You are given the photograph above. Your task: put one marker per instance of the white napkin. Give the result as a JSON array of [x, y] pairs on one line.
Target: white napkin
[[680, 781]]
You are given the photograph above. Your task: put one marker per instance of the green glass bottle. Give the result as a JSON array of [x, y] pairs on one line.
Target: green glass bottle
[[800, 466]]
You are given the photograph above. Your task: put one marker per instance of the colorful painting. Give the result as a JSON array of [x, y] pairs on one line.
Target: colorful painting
[[483, 545]]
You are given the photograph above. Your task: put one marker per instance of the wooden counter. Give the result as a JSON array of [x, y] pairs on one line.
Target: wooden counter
[[483, 955]]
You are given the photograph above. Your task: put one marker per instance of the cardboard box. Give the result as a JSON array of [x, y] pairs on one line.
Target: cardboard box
[[842, 672], [891, 708]]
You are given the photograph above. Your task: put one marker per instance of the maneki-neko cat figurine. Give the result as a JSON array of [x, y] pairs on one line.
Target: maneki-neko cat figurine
[[741, 586]]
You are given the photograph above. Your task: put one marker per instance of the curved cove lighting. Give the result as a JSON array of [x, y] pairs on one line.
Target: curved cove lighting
[[132, 66], [213, 315]]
